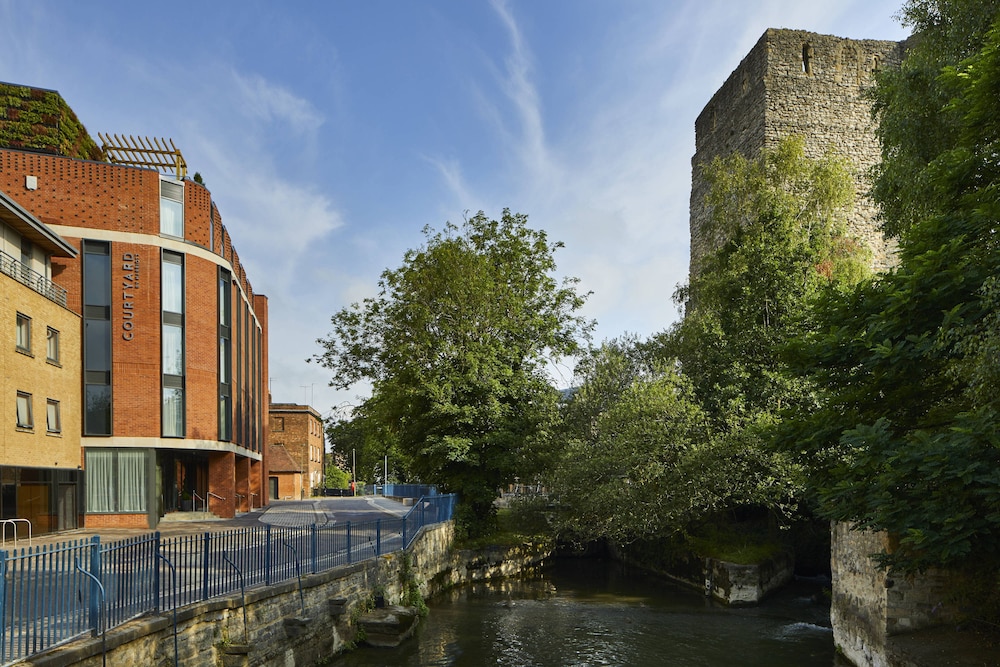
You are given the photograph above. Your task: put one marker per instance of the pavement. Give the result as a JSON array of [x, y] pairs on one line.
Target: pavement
[[283, 513]]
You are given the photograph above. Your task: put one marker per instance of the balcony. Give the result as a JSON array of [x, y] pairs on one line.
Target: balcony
[[32, 279]]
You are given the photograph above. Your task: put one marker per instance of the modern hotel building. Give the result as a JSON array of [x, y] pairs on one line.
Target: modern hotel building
[[171, 393]]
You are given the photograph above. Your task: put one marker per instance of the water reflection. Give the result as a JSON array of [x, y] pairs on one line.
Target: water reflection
[[599, 613]]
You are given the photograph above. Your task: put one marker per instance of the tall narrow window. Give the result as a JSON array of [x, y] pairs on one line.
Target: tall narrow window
[[52, 345], [52, 421], [807, 57], [225, 356], [171, 208], [24, 419], [172, 343], [97, 337], [23, 333]]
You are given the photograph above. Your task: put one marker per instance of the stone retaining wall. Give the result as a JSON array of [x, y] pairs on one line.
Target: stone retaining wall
[[282, 629]]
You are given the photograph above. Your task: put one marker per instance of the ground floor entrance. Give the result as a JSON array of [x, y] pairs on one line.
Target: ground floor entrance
[[46, 498]]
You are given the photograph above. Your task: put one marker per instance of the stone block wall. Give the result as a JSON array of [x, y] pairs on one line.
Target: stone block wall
[[800, 83], [282, 629], [871, 605]]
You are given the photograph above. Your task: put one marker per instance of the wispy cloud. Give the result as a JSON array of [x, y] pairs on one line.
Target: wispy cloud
[[269, 102]]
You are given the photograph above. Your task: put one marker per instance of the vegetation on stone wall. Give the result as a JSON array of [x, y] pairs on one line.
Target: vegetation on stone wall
[[36, 119], [905, 437], [668, 437]]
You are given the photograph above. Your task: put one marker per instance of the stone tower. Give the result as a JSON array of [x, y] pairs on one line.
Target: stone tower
[[797, 83]]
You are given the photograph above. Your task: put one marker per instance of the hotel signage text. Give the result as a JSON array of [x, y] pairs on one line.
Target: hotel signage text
[[130, 283]]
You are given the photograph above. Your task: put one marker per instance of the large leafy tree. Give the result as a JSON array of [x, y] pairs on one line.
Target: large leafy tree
[[456, 345], [779, 223], [906, 438], [641, 461]]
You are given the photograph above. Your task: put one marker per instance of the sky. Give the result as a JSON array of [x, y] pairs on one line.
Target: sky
[[330, 133]]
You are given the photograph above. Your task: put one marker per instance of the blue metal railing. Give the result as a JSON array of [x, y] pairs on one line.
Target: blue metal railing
[[46, 601]]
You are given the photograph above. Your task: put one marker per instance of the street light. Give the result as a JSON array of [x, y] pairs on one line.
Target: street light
[[354, 471]]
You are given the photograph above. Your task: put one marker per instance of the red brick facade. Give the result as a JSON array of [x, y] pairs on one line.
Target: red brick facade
[[120, 206]]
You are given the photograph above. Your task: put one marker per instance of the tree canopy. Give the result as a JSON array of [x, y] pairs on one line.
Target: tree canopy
[[905, 438], [456, 345]]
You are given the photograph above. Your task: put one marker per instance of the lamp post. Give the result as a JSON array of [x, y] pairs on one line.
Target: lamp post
[[354, 471]]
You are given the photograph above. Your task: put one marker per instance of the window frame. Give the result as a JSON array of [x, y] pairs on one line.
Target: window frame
[[29, 424], [52, 413], [176, 205], [52, 345], [23, 324]]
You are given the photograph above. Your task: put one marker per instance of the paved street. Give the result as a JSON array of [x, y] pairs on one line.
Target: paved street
[[284, 513]]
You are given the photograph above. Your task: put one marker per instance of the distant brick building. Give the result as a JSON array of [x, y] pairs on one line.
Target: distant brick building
[[296, 440], [171, 398]]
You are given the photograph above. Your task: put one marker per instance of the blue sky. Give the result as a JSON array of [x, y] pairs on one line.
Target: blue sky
[[331, 132]]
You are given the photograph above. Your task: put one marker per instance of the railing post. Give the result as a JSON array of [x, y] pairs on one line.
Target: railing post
[[349, 557], [378, 537], [205, 564], [312, 546], [157, 593], [95, 594], [3, 606], [267, 554], [404, 530]]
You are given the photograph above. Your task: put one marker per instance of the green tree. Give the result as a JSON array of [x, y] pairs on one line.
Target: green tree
[[905, 439], [641, 461], [456, 345], [779, 220]]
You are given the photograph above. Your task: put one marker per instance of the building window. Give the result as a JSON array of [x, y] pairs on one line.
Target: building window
[[279, 424], [172, 343], [225, 355], [97, 337], [23, 333], [52, 346], [52, 422], [24, 419], [116, 480], [171, 208]]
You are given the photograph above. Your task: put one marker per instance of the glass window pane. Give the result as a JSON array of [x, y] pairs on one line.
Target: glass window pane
[[172, 283], [173, 350], [100, 480], [52, 416], [24, 410], [173, 412], [131, 481], [171, 217], [52, 346], [97, 280], [97, 345], [98, 416]]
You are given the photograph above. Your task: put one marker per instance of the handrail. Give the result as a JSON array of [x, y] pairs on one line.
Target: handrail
[[252, 496], [204, 501], [14, 522], [213, 495]]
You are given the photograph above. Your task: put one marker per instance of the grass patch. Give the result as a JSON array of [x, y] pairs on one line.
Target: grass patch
[[523, 522], [744, 544]]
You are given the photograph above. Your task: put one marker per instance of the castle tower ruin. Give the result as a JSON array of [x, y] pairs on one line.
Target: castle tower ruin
[[802, 83]]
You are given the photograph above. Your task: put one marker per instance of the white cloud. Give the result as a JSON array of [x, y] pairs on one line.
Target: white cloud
[[269, 102]]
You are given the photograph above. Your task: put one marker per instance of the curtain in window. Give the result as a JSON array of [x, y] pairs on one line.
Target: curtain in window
[[131, 481], [172, 286], [173, 412], [100, 481], [173, 350]]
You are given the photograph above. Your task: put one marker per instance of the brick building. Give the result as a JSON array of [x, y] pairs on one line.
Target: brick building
[[296, 439], [40, 456], [171, 397]]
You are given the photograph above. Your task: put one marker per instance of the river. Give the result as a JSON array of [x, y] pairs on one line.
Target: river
[[595, 612]]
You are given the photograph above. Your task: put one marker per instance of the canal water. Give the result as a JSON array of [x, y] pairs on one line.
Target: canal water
[[595, 612]]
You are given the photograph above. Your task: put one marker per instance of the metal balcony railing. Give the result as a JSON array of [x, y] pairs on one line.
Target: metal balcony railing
[[32, 279]]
